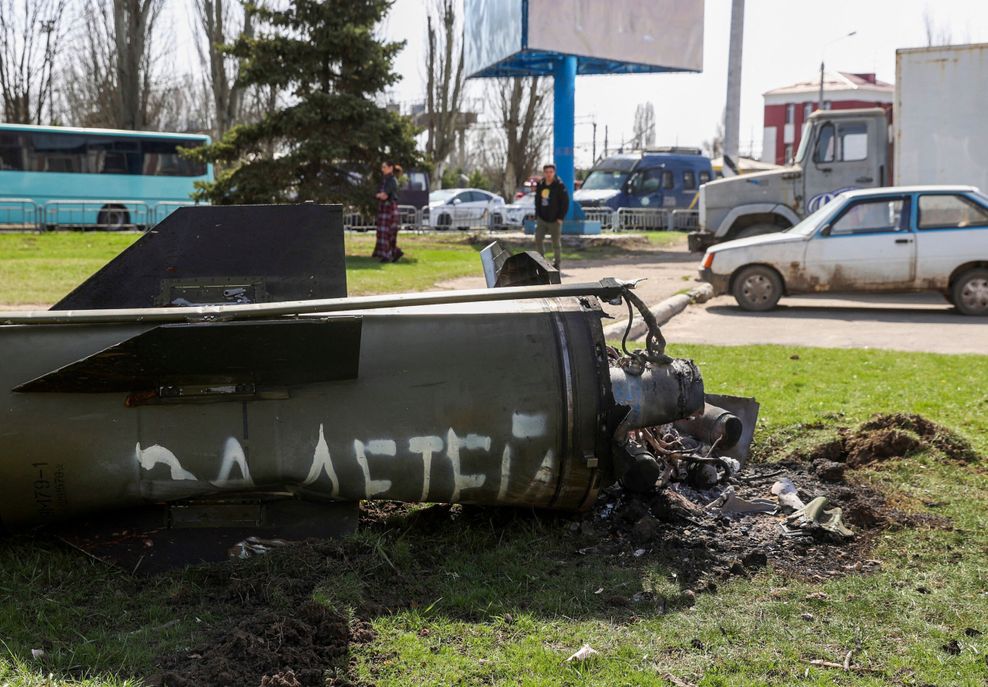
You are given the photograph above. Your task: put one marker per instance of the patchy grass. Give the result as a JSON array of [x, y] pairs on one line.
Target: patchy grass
[[498, 597], [38, 269]]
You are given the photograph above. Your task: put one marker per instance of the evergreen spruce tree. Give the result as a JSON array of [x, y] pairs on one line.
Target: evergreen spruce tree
[[326, 140]]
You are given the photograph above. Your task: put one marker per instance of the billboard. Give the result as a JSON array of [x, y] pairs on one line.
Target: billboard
[[518, 37], [661, 33], [492, 31]]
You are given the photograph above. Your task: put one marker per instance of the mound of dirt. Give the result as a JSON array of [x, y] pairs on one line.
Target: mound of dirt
[[272, 632], [269, 649], [893, 436]]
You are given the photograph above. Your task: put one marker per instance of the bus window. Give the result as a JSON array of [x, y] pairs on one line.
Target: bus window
[[161, 158], [106, 155], [689, 180], [704, 177], [56, 153], [11, 152], [668, 181]]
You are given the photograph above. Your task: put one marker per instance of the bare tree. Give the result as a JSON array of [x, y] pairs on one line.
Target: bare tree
[[114, 82], [521, 111], [936, 34], [30, 37], [714, 147], [444, 84], [643, 134], [218, 25]]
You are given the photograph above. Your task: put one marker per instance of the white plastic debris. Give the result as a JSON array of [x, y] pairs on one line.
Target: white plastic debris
[[582, 654], [37, 653], [786, 492]]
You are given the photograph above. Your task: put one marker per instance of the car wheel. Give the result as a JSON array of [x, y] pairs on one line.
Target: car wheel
[[444, 221], [756, 230], [970, 292], [757, 288]]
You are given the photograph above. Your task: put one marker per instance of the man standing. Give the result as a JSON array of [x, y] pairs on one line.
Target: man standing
[[551, 204]]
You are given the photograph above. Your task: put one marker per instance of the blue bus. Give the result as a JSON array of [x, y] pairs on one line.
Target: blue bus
[[60, 177]]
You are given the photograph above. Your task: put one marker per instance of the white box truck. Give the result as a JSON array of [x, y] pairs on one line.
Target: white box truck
[[938, 135]]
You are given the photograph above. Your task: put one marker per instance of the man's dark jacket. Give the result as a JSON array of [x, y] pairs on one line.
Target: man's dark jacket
[[551, 200]]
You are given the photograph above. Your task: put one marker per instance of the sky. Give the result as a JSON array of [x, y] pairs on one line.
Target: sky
[[783, 41], [783, 44]]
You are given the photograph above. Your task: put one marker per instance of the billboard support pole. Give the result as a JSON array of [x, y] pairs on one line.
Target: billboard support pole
[[563, 125]]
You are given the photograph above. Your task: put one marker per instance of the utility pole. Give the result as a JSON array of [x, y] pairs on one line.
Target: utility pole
[[823, 51], [605, 140], [594, 154], [732, 110]]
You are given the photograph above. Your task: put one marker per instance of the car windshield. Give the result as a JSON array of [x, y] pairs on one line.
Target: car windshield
[[604, 180], [443, 195], [810, 224]]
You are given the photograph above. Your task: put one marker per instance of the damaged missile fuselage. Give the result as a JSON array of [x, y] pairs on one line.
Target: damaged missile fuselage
[[505, 396]]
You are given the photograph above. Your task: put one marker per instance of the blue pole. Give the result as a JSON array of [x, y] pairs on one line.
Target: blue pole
[[563, 124]]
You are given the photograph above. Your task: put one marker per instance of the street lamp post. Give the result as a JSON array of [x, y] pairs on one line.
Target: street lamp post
[[822, 53]]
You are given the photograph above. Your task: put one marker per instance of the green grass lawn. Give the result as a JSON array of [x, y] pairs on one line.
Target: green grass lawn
[[495, 598], [39, 269]]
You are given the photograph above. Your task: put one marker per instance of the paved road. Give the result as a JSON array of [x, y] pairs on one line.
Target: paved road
[[665, 272], [903, 322]]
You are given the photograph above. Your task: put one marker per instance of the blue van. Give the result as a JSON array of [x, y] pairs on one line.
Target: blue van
[[664, 178]]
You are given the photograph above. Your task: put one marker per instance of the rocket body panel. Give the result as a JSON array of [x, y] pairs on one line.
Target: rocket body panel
[[501, 403]]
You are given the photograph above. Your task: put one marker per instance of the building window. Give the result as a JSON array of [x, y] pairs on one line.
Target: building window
[[787, 155], [807, 111], [790, 113], [826, 104]]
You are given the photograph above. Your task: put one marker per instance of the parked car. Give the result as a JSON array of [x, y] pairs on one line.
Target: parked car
[[522, 209], [463, 208], [915, 238]]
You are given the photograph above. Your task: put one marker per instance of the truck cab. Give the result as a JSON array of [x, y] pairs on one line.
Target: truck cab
[[840, 150], [659, 178]]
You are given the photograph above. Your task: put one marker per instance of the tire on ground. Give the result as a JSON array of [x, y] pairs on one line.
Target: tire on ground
[[969, 293], [757, 288]]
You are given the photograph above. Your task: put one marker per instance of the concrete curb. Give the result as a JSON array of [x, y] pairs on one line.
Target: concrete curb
[[663, 311]]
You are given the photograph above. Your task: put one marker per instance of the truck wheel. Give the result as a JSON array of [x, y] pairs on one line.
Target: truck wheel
[[757, 288], [970, 292], [756, 230]]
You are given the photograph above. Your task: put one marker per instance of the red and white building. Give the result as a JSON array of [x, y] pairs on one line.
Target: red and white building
[[788, 108]]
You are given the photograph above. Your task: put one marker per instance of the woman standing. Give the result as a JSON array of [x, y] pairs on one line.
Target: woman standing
[[386, 248]]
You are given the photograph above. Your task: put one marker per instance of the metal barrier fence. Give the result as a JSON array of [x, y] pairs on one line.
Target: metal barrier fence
[[18, 213], [24, 213], [99, 214]]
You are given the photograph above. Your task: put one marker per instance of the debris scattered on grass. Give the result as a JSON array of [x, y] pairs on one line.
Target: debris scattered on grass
[[952, 647], [582, 654], [727, 529]]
